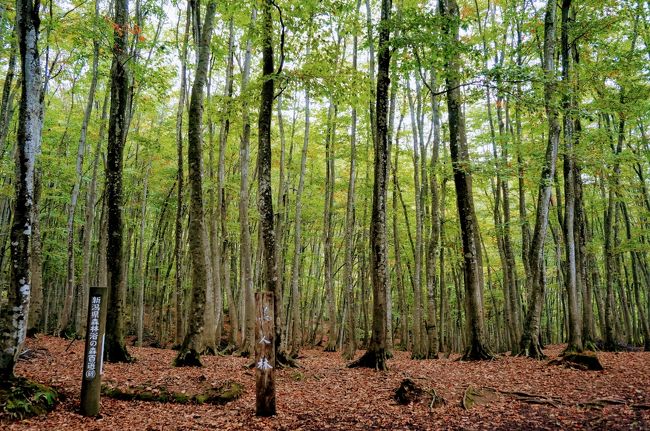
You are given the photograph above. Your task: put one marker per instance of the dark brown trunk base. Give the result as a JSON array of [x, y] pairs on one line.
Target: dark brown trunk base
[[285, 360], [188, 358], [478, 352], [116, 352], [532, 349], [371, 359]]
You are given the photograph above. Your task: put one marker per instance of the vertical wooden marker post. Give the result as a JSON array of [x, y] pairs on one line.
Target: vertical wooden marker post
[[264, 354], [91, 382]]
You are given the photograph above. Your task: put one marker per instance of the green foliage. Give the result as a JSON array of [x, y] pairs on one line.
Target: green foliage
[[22, 398]]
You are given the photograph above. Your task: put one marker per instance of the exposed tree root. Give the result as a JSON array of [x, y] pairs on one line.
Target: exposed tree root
[[285, 360], [478, 396], [371, 359], [478, 352], [532, 349], [485, 395], [581, 361]]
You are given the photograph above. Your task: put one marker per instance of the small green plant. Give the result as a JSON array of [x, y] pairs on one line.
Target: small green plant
[[21, 398]]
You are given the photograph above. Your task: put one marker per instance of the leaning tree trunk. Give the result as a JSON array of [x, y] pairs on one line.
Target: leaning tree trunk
[[375, 356], [189, 354], [529, 343], [117, 126], [13, 323], [477, 348]]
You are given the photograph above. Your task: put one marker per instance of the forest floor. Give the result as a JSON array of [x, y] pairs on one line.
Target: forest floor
[[325, 395]]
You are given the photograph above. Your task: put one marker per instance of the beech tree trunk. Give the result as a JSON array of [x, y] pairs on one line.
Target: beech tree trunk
[[348, 279], [571, 282], [13, 323], [327, 229], [529, 343], [375, 356], [265, 194], [477, 349], [193, 343], [180, 177], [297, 334], [117, 127], [246, 280]]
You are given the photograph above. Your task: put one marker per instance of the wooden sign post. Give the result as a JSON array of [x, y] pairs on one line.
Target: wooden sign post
[[91, 381], [265, 354]]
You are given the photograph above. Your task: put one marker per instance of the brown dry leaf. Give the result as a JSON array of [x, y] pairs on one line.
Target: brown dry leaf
[[329, 396]]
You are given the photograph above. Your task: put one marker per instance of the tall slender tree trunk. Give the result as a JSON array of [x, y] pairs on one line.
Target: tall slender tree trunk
[[265, 194], [418, 313], [13, 323], [375, 356], [350, 221], [117, 127], [246, 279], [575, 323], [473, 278], [327, 228], [529, 343], [193, 343], [180, 177]]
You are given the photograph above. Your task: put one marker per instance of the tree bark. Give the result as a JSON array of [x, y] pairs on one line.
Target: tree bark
[[193, 343], [529, 344], [246, 280], [327, 228], [117, 127], [13, 324], [265, 194], [477, 349], [574, 323], [375, 356]]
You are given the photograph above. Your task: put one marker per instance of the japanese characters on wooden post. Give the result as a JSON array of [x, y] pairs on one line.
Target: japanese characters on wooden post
[[93, 355], [264, 354]]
